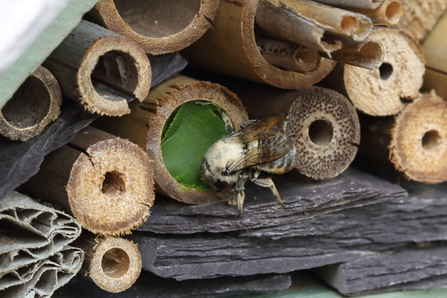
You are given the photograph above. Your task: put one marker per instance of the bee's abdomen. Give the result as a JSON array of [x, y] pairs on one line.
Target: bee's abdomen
[[281, 165]]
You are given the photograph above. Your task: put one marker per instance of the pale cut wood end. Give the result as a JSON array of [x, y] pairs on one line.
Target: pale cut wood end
[[115, 264], [419, 140], [110, 189]]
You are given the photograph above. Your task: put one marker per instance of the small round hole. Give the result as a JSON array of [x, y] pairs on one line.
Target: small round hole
[[386, 70], [113, 183], [29, 104], [115, 263], [321, 132], [348, 24], [431, 140]]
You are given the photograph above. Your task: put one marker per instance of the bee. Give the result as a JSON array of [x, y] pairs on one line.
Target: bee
[[260, 145]]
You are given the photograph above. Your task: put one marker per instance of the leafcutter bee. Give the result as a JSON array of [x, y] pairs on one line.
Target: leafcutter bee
[[260, 145]]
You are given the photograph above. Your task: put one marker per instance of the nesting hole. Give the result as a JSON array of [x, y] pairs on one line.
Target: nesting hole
[[348, 24], [321, 132], [113, 183], [116, 70], [158, 18], [431, 140], [115, 263], [29, 104], [386, 70], [394, 11]]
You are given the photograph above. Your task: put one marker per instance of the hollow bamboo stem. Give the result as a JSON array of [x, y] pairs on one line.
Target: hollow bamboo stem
[[113, 263], [366, 4], [33, 106], [323, 125], [100, 69], [414, 141], [238, 55], [104, 181], [147, 123], [381, 92], [158, 26], [288, 56], [388, 13]]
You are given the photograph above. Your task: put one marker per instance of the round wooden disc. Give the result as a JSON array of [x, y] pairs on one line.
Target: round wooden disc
[[419, 140]]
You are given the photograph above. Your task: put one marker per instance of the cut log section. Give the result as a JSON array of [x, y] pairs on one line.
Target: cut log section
[[323, 125], [420, 16], [156, 124], [416, 138], [157, 26], [113, 263], [33, 106], [238, 54], [380, 92], [104, 181], [100, 69]]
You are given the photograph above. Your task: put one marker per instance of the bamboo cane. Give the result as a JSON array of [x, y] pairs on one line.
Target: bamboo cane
[[388, 13], [414, 141], [104, 181], [100, 69], [381, 92], [149, 120], [113, 263], [33, 106], [157, 26], [230, 48], [366, 4]]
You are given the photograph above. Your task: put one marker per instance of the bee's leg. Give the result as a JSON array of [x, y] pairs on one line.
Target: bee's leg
[[266, 182], [228, 123], [237, 194]]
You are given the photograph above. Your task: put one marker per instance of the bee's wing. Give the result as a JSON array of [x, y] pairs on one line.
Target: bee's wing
[[252, 129], [271, 146]]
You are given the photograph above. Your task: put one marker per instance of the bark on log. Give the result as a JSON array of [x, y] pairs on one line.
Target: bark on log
[[414, 140], [323, 125], [146, 124], [420, 16], [380, 92], [100, 69], [113, 263], [33, 106], [238, 55], [158, 26], [104, 181]]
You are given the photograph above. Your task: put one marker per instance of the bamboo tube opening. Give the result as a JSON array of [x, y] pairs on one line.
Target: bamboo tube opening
[[113, 184], [321, 132], [385, 71], [349, 24], [115, 262], [118, 71], [394, 11], [29, 104], [430, 140], [32, 107], [165, 17]]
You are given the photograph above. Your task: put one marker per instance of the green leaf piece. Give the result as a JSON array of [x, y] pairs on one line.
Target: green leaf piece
[[190, 130]]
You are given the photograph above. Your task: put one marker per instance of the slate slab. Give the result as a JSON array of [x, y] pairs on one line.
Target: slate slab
[[303, 198]]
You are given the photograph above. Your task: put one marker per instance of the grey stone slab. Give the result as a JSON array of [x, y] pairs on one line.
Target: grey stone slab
[[303, 198]]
